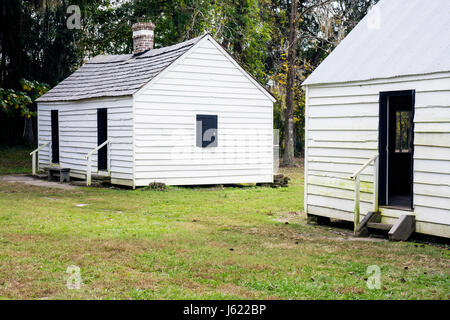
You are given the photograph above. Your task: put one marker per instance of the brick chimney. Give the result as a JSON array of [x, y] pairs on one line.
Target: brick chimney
[[142, 36]]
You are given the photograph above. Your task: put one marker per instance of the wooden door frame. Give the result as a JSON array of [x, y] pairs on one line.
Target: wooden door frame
[[383, 142], [104, 150], [55, 146]]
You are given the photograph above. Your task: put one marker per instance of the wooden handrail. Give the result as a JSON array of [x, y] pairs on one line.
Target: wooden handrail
[[357, 172], [88, 157], [39, 148], [97, 148], [356, 177], [33, 159]]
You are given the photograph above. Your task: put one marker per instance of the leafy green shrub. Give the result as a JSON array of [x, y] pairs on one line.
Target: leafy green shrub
[[158, 186]]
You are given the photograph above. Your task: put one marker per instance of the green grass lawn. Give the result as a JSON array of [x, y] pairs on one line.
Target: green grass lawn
[[15, 160], [196, 243]]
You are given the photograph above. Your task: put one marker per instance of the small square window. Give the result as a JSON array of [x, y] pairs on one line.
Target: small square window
[[206, 131]]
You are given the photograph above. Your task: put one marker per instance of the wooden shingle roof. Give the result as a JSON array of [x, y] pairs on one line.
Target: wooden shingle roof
[[116, 75]]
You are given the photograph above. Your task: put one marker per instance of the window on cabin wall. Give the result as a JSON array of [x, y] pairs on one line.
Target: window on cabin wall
[[206, 131]]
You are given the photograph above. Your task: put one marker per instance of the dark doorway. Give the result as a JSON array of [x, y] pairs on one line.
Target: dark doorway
[[102, 136], [396, 148], [55, 136]]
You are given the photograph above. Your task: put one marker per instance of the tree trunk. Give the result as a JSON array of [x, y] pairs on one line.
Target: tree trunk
[[3, 64], [289, 144], [28, 133], [3, 41]]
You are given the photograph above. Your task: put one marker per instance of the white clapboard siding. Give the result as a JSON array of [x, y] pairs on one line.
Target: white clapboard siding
[[337, 182], [364, 177], [348, 110], [335, 202], [430, 83], [430, 152], [432, 160], [341, 152], [344, 123], [205, 81], [78, 134], [342, 133], [433, 139], [348, 168], [338, 192], [196, 180], [344, 136], [369, 99]]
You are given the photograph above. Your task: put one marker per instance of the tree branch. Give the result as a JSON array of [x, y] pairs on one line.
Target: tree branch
[[313, 7]]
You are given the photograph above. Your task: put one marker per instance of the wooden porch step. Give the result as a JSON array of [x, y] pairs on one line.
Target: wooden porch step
[[41, 175], [370, 217], [403, 228], [100, 177], [379, 226], [63, 173]]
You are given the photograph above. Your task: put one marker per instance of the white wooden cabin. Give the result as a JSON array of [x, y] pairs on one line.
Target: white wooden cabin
[[187, 114], [383, 97]]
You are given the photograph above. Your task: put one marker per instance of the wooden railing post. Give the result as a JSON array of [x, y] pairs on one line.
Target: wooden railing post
[[88, 158], [109, 157], [50, 154], [375, 185], [33, 164], [88, 171], [356, 218], [357, 178]]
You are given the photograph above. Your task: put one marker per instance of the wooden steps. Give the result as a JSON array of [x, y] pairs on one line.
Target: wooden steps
[[379, 226], [400, 231], [100, 177], [280, 180], [370, 217], [403, 228]]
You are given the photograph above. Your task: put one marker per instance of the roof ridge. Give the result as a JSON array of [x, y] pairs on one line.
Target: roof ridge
[[146, 54], [103, 71]]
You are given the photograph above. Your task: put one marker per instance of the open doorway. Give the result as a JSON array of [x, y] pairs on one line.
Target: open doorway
[[55, 136], [102, 136], [396, 147]]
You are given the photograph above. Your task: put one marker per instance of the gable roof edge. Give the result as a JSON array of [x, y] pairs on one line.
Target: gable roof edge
[[169, 67], [207, 37], [240, 68], [125, 67], [383, 80]]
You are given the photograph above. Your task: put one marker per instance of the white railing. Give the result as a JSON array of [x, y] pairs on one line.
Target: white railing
[[33, 153], [356, 177], [88, 157]]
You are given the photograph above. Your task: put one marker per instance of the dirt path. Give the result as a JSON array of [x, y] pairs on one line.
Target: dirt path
[[36, 182]]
